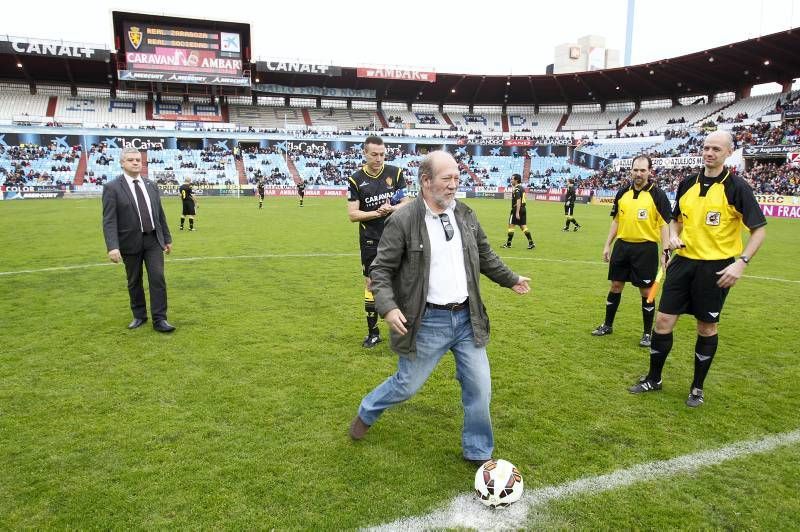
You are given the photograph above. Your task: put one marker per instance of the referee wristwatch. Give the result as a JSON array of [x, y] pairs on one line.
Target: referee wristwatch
[[745, 259]]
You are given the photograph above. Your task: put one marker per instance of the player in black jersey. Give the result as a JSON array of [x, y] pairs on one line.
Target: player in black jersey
[[519, 215], [189, 203], [375, 192], [301, 190], [260, 193], [569, 206]]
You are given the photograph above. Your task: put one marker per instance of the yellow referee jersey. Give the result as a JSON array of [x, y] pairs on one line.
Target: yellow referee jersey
[[640, 214], [713, 212]]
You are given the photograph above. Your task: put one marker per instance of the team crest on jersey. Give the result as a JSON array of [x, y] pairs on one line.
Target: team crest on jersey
[[388, 181], [713, 217], [641, 214], [135, 37]]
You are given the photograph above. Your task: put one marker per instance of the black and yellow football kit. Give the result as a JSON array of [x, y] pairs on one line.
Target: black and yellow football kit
[[189, 208], [260, 193], [301, 191], [518, 194], [371, 191], [569, 208], [640, 215], [713, 211]]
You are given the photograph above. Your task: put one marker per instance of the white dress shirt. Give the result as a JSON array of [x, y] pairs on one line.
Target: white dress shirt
[[131, 186], [447, 278]]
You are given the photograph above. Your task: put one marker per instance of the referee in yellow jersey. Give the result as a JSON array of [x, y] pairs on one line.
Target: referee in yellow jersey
[[640, 215], [710, 211]]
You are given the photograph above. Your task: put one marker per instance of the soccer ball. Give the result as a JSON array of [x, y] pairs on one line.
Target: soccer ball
[[498, 483]]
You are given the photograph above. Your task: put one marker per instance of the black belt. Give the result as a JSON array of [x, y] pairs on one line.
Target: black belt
[[452, 307]]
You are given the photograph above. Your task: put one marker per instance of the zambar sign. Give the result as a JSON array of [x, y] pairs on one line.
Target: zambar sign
[[396, 73]]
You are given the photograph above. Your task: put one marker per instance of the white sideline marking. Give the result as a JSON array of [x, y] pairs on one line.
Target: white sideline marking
[[312, 255], [467, 512], [185, 259]]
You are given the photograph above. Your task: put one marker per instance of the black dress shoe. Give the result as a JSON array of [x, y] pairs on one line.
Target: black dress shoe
[[477, 463], [163, 326], [136, 323]]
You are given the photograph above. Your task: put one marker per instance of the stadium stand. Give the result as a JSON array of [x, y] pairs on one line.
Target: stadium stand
[[102, 165], [484, 122], [423, 119], [344, 119], [208, 166], [748, 108], [266, 165], [585, 119], [38, 165], [266, 117], [17, 105], [495, 170], [100, 112]]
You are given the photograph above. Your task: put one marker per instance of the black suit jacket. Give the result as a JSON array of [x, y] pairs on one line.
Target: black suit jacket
[[121, 225]]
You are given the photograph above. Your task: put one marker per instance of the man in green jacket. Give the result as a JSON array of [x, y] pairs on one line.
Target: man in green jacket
[[426, 284]]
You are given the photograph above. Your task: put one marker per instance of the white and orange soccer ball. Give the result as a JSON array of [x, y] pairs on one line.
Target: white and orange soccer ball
[[498, 483]]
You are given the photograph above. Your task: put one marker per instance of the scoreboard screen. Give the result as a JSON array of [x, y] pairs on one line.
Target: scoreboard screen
[[168, 53]]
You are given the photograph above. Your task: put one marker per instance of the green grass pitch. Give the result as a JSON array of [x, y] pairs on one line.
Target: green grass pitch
[[238, 420]]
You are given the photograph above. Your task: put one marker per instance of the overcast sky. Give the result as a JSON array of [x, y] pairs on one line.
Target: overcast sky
[[498, 37]]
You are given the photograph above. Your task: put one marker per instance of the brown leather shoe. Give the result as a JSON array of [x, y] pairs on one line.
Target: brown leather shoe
[[358, 429]]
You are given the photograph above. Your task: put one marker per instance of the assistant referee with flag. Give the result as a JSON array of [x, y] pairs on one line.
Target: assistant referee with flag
[[640, 215]]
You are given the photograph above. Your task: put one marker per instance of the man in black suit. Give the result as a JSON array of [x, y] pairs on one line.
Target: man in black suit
[[136, 233]]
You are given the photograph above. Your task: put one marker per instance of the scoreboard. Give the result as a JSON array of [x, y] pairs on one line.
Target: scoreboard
[[161, 52]]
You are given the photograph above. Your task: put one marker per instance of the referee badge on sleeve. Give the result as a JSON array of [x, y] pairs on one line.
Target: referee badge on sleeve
[[712, 218], [641, 214]]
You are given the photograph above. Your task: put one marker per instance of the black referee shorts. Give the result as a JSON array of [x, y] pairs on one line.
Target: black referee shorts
[[634, 262], [569, 208], [188, 208], [691, 288], [523, 217]]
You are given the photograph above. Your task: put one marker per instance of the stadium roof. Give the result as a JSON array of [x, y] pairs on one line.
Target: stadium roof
[[733, 67], [727, 68]]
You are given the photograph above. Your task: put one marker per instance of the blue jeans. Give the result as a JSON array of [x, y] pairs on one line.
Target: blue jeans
[[442, 331]]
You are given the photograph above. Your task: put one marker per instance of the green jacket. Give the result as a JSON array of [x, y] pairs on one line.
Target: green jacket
[[400, 271]]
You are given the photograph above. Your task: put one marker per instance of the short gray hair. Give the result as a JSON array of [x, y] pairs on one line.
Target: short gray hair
[[129, 149], [425, 167], [728, 137]]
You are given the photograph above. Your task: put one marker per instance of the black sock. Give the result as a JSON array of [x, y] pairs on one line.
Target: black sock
[[182, 219], [660, 346], [510, 237], [612, 304], [191, 223], [576, 222], [648, 313], [528, 236], [566, 226], [372, 318], [704, 350]]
